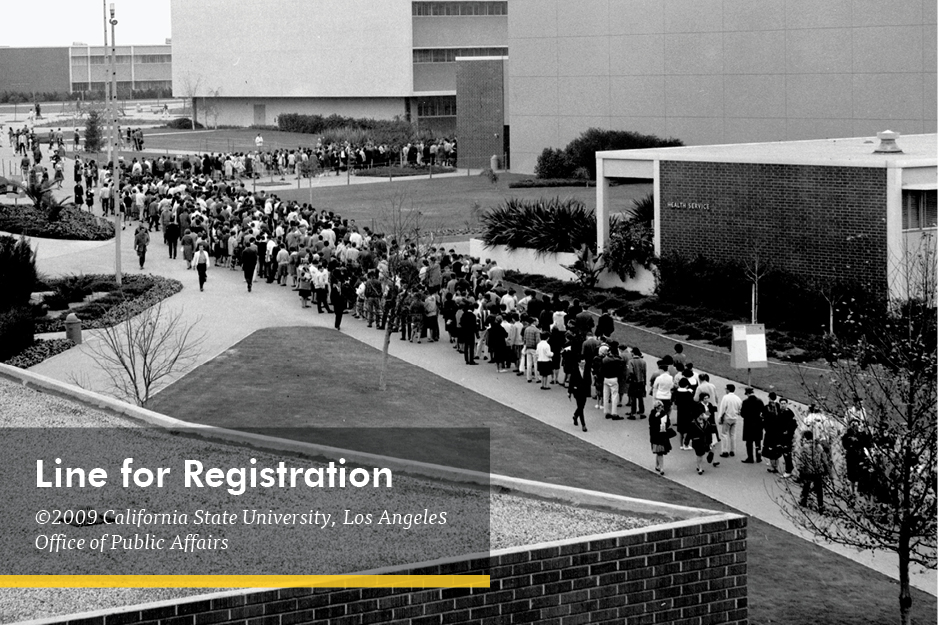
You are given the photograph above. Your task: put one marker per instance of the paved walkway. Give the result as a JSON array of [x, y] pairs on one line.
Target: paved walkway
[[227, 314]]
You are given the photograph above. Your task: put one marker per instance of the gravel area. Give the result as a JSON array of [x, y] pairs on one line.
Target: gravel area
[[512, 520]]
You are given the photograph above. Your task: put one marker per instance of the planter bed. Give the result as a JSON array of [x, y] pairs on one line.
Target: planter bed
[[72, 224]]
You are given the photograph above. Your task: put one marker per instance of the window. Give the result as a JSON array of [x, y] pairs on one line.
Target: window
[[98, 59], [434, 9], [153, 58], [79, 60], [919, 209], [448, 55], [437, 106]]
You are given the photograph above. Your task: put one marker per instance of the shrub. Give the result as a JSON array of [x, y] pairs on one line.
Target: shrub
[[530, 183], [338, 129], [17, 271], [55, 301], [546, 226], [71, 223], [183, 123], [581, 152], [553, 163], [16, 331], [630, 243], [39, 351]]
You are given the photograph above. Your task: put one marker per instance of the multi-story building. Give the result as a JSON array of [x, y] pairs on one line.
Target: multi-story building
[[141, 70], [358, 58], [719, 71]]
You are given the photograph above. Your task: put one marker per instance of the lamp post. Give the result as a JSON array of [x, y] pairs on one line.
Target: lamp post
[[116, 170]]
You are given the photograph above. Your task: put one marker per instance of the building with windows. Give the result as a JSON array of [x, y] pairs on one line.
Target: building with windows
[[719, 71], [141, 70], [357, 58], [834, 209]]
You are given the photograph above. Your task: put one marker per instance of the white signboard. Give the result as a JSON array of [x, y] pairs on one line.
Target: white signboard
[[749, 351]]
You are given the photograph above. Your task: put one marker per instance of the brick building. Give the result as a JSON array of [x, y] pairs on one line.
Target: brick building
[[830, 209]]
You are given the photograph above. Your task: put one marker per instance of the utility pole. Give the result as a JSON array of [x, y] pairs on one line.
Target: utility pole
[[116, 164]]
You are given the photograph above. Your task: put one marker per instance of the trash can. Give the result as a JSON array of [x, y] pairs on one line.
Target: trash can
[[73, 328], [493, 162]]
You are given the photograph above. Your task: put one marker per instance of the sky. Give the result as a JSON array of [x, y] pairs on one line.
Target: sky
[[64, 22]]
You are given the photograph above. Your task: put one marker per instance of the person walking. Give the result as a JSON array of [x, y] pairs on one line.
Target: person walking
[[814, 463], [201, 265], [728, 416], [659, 433], [188, 247], [700, 432], [751, 413], [141, 241], [580, 387], [171, 233], [249, 262], [610, 369], [338, 297], [305, 281]]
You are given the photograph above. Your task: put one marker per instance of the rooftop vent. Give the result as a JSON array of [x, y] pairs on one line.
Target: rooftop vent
[[887, 143]]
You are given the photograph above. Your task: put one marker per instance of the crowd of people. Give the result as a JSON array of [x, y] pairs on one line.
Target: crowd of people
[[197, 204]]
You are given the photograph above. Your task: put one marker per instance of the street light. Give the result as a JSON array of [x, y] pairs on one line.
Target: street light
[[115, 162]]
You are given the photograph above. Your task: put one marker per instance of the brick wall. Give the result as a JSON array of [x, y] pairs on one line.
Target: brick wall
[[480, 111], [804, 218], [685, 573]]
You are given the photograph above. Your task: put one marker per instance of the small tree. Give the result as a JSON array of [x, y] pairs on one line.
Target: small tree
[[400, 221], [141, 351], [190, 89], [93, 131], [880, 492]]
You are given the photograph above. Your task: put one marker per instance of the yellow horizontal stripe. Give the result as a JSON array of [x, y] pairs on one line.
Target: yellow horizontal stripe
[[244, 581]]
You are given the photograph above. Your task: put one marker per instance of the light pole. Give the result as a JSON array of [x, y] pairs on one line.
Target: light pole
[[115, 168]]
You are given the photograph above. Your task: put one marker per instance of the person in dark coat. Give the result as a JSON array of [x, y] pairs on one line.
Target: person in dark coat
[[789, 425], [683, 397], [751, 412], [498, 343], [605, 326], [469, 326], [580, 387], [637, 376], [774, 435], [338, 295], [700, 432], [249, 262], [171, 232], [659, 425]]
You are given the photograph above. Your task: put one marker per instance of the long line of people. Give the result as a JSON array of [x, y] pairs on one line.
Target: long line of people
[[344, 268]]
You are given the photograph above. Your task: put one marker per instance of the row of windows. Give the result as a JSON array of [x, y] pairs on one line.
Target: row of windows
[[123, 85], [122, 59], [448, 55], [429, 9], [919, 210], [437, 106]]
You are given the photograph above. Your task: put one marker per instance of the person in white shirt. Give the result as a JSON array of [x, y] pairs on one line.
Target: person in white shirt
[[662, 385], [545, 360], [509, 301], [727, 417], [259, 141]]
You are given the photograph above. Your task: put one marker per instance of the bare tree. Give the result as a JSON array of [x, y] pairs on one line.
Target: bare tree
[[191, 85], [881, 390], [211, 106], [141, 351], [401, 222], [755, 267]]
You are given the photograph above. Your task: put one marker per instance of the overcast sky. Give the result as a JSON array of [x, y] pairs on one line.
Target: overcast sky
[[63, 22]]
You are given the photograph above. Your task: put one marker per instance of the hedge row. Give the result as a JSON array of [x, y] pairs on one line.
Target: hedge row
[[695, 322]]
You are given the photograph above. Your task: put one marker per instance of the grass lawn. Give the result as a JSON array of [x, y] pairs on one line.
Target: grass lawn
[[331, 382], [227, 140], [446, 203]]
